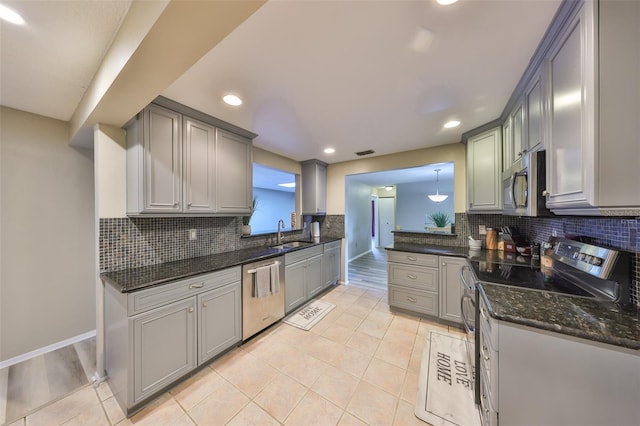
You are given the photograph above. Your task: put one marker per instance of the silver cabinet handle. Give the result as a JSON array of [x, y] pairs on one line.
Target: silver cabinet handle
[[175, 204], [204, 305], [189, 204], [413, 277], [191, 310], [199, 285], [411, 299], [411, 258]]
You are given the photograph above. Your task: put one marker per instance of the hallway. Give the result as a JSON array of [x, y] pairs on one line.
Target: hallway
[[369, 270]]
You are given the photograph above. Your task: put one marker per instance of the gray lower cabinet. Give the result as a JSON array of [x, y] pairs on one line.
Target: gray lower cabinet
[[220, 320], [531, 376], [451, 288], [304, 276], [413, 282], [332, 259], [155, 336], [163, 346]]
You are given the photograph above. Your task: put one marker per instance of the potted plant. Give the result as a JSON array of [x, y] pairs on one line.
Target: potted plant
[[440, 220], [246, 228]]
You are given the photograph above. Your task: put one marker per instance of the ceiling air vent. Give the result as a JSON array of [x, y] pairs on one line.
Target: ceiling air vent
[[367, 152]]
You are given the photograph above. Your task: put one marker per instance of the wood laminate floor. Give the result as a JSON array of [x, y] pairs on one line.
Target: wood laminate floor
[[370, 269], [28, 385]]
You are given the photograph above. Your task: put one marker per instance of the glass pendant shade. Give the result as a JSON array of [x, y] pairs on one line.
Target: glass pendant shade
[[437, 197]]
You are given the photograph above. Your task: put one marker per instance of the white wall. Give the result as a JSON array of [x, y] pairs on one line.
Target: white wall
[[337, 172], [412, 203], [358, 218], [47, 291]]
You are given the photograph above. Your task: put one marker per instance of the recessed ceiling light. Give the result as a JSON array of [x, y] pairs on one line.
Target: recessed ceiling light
[[288, 185], [446, 2], [451, 124], [388, 188], [10, 15], [329, 150], [232, 100]]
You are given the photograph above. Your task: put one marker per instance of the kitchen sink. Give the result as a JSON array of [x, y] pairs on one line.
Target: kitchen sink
[[293, 244]]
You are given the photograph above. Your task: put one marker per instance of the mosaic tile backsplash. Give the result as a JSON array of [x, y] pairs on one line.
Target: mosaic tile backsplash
[[133, 242]]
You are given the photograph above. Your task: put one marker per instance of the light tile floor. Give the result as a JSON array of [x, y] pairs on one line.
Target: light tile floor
[[358, 366]]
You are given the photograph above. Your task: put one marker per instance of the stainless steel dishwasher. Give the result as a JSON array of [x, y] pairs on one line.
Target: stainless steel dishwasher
[[260, 312]]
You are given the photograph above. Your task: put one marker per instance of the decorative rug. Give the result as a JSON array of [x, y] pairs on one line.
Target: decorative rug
[[310, 314], [445, 388]]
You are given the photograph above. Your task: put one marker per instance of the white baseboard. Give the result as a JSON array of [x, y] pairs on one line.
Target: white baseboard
[[360, 255], [47, 349]]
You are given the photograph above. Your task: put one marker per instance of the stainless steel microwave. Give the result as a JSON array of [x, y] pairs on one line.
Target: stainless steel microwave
[[524, 185]]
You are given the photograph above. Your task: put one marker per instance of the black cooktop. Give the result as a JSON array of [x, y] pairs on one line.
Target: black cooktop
[[524, 276]]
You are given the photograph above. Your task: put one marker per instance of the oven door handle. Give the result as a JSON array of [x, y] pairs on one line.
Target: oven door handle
[[464, 280], [464, 319]]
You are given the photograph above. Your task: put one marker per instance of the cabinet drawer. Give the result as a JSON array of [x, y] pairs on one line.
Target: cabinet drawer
[[417, 301], [303, 254], [419, 259], [488, 413], [332, 245], [425, 279], [144, 300]]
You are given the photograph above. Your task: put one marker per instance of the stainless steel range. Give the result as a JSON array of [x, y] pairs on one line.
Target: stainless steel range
[[575, 268]]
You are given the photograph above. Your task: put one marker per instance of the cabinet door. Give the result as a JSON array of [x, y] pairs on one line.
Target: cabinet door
[[534, 102], [506, 145], [162, 165], [484, 155], [570, 173], [518, 147], [219, 320], [332, 266], [295, 291], [199, 167], [451, 288], [234, 186], [314, 187], [164, 343], [314, 276]]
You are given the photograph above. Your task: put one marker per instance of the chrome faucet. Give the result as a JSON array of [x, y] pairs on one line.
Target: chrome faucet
[[280, 222]]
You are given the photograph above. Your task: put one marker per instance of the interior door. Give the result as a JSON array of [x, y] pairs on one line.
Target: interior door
[[386, 221]]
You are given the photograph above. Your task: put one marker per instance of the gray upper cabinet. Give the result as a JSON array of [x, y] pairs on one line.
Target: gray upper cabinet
[[314, 187], [534, 98], [518, 147], [199, 166], [579, 102], [234, 182], [154, 163], [179, 163], [484, 172]]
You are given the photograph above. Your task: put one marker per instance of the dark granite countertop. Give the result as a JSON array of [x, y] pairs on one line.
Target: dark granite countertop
[[133, 279], [583, 317]]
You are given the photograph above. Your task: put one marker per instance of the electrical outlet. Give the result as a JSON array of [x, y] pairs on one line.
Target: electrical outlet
[[482, 229], [193, 234]]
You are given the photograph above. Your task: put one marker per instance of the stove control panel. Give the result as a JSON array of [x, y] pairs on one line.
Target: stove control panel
[[594, 260]]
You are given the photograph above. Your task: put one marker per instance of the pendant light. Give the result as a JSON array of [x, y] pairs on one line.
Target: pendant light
[[437, 197]]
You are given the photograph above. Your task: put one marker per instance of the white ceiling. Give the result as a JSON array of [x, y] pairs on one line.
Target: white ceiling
[[47, 64], [354, 75], [409, 175]]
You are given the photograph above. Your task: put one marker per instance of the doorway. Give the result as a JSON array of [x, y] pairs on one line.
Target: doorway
[[386, 221]]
